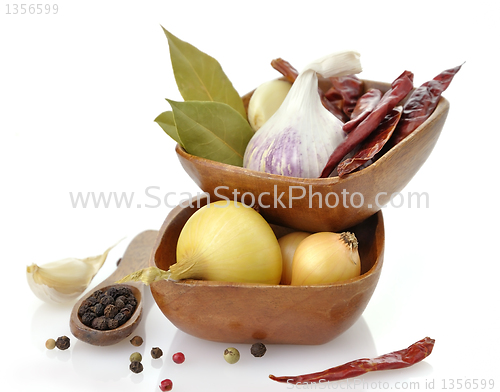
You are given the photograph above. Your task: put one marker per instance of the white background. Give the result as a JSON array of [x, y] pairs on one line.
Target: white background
[[79, 91]]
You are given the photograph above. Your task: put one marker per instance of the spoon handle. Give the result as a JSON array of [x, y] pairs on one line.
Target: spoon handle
[[136, 255]]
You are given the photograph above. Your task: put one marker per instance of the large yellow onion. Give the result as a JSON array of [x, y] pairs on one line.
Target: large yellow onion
[[326, 257], [289, 244], [227, 241]]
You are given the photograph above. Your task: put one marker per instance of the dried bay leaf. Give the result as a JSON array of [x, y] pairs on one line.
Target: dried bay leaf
[[167, 123], [200, 77], [212, 130]]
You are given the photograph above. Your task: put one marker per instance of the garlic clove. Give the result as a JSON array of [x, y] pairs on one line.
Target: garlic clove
[[63, 281], [265, 101]]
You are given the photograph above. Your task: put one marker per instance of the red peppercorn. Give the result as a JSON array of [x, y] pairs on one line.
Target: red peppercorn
[[178, 358], [166, 385]]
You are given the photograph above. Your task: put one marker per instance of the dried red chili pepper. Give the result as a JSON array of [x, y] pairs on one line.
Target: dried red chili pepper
[[285, 68], [399, 89], [395, 360], [422, 103], [365, 105], [350, 87], [290, 73], [373, 144]]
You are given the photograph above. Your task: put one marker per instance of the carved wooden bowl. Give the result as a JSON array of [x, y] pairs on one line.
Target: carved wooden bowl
[[247, 313], [295, 202]]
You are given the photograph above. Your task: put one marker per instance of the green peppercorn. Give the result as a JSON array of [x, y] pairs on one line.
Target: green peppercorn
[[231, 355], [50, 344], [136, 357]]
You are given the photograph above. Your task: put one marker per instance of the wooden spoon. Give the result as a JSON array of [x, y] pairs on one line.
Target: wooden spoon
[[136, 257]]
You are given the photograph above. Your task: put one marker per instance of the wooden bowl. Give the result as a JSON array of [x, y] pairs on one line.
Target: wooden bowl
[[247, 313], [295, 202]]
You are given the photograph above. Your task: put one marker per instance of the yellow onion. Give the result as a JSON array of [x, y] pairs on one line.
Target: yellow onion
[[326, 257], [227, 241], [288, 244]]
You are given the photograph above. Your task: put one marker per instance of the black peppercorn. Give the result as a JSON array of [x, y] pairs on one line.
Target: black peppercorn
[[120, 317], [119, 303], [110, 311], [98, 309], [97, 294], [112, 323], [87, 318], [136, 367], [92, 300], [100, 323], [106, 300], [156, 352], [112, 291], [258, 349], [62, 343]]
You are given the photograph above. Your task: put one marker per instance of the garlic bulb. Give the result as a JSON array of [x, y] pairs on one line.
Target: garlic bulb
[[299, 138], [288, 244], [265, 101], [64, 280], [326, 257]]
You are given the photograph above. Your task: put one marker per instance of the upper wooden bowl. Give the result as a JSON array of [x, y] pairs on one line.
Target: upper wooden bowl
[[295, 202], [247, 313]]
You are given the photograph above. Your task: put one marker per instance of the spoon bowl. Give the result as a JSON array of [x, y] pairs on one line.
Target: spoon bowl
[[136, 257]]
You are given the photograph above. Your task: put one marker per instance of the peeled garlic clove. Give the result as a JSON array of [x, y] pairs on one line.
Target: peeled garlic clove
[[64, 280], [265, 101], [299, 138], [326, 257]]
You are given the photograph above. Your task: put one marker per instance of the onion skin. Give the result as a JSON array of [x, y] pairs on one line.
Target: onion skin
[[227, 241], [288, 244], [324, 258]]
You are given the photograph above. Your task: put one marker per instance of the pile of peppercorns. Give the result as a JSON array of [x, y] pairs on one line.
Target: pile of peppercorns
[[108, 309]]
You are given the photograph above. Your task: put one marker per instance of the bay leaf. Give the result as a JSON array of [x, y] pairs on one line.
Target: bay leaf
[[199, 76], [166, 121], [212, 130]]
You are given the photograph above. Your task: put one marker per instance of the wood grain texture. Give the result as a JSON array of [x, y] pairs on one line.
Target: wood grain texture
[[247, 313], [136, 257]]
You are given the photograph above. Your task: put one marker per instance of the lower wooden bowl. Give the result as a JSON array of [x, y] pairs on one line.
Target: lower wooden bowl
[[247, 313]]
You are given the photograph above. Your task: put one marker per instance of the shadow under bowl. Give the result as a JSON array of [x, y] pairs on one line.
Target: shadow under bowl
[[280, 314], [321, 204]]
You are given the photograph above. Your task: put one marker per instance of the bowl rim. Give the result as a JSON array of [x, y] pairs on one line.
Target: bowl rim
[[376, 267], [441, 108]]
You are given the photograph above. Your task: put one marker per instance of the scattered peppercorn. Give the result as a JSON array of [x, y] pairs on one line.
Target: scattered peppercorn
[[108, 309], [50, 344], [136, 367], [62, 343], [178, 358], [156, 352], [231, 355], [136, 357], [136, 341], [258, 349], [166, 385]]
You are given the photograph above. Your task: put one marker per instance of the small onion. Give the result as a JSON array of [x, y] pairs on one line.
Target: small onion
[[326, 257], [288, 244], [230, 242]]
